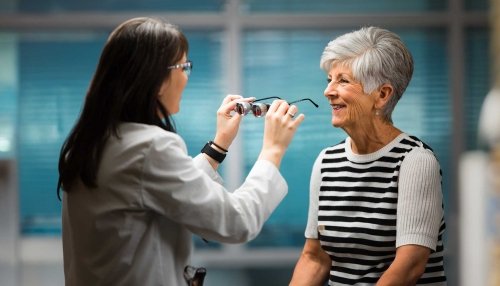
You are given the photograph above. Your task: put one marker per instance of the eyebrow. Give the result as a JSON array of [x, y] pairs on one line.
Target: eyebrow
[[340, 75]]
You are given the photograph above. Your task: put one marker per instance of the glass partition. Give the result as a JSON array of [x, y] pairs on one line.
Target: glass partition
[[58, 6], [339, 6], [54, 73], [477, 5], [477, 83]]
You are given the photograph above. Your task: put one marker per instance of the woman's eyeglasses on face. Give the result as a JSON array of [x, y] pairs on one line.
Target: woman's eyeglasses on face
[[260, 109], [186, 67]]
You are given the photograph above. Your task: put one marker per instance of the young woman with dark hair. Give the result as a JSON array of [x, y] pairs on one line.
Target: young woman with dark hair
[[132, 197]]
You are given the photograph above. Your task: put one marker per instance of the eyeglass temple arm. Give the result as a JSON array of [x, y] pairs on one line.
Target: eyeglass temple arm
[[314, 103], [267, 98], [276, 97]]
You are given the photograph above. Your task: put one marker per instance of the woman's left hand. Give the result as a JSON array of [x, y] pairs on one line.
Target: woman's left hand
[[228, 122]]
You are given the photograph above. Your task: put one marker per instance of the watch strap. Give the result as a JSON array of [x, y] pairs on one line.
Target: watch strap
[[217, 145], [213, 153]]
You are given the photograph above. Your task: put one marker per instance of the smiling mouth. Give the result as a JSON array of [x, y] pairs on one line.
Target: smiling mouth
[[337, 106]]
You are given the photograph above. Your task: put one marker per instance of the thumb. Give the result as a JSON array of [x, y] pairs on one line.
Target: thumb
[[236, 117]]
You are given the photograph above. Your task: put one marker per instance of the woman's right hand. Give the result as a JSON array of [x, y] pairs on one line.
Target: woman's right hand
[[228, 122], [280, 126]]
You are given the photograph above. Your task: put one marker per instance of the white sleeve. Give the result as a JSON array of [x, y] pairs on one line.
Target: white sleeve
[[314, 185], [202, 163], [420, 199], [174, 186]]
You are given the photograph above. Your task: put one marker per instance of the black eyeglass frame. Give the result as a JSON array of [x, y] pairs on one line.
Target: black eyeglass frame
[[260, 109]]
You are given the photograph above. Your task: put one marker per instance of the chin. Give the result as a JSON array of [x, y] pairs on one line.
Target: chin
[[174, 111], [336, 124]]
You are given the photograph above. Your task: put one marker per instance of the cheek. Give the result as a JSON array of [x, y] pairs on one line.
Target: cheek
[[165, 86], [180, 82], [184, 83], [357, 103], [355, 111]]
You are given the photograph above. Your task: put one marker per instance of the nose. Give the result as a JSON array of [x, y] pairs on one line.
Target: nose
[[330, 90]]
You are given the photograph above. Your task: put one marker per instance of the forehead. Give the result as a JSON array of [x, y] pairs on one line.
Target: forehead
[[338, 68]]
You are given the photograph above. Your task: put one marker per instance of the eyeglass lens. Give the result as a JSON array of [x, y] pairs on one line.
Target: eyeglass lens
[[187, 67], [244, 107]]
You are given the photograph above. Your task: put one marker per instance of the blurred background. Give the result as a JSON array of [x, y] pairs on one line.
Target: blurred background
[[49, 50]]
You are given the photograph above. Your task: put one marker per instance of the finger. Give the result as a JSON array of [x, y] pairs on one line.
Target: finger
[[275, 105], [283, 108], [292, 111], [280, 108], [235, 117], [227, 108], [229, 103], [231, 100], [231, 97], [248, 99], [298, 119]]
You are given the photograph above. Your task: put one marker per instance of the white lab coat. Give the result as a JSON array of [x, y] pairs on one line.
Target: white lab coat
[[135, 227]]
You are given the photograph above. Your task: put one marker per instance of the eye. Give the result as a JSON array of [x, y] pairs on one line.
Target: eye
[[343, 80], [328, 80]]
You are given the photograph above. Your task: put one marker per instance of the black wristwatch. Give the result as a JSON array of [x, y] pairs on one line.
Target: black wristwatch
[[213, 153]]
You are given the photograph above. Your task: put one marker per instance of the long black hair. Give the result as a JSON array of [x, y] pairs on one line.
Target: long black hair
[[132, 67]]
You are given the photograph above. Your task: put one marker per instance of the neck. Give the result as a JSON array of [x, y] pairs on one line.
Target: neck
[[372, 138]]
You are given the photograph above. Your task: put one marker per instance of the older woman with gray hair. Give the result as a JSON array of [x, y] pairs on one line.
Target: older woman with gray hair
[[376, 205]]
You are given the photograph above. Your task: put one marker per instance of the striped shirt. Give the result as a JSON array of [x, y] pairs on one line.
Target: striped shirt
[[365, 206]]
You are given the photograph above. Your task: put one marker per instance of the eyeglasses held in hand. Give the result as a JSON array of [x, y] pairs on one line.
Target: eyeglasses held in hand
[[260, 109], [186, 67]]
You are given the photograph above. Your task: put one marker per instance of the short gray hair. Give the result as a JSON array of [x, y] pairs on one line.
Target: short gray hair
[[376, 56]]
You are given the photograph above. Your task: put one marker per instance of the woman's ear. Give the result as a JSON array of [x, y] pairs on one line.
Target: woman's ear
[[385, 92]]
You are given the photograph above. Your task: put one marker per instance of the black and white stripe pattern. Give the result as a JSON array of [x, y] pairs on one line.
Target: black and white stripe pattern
[[357, 216]]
